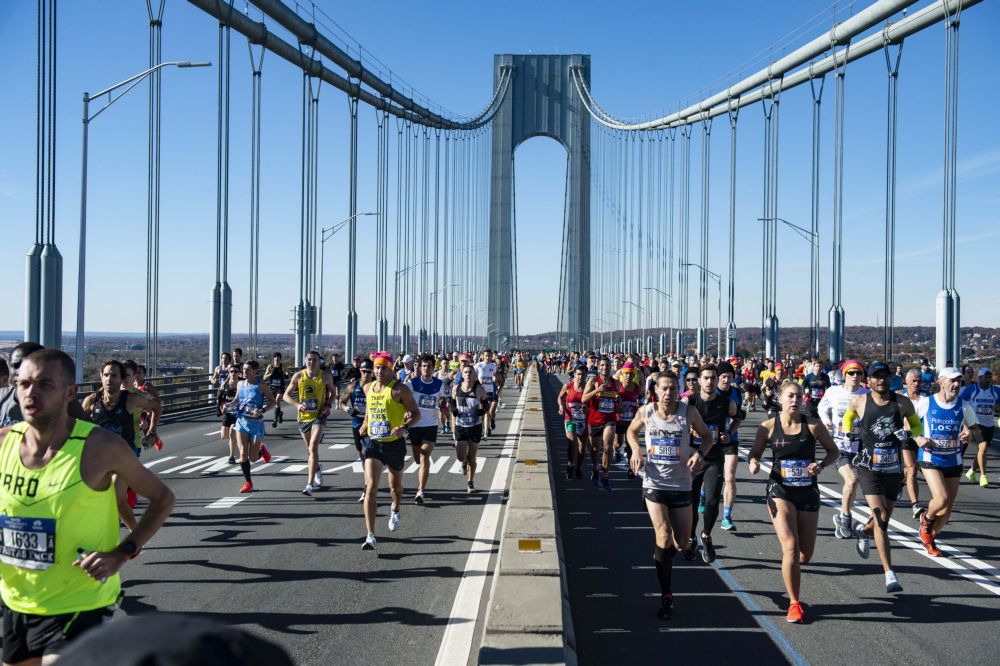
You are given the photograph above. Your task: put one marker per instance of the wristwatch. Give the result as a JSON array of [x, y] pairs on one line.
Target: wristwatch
[[130, 548]]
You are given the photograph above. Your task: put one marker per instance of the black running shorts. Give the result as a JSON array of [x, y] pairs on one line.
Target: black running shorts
[[27, 636], [880, 483], [804, 499], [391, 454], [673, 499]]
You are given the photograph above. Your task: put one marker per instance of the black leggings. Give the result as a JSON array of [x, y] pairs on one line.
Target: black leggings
[[711, 478]]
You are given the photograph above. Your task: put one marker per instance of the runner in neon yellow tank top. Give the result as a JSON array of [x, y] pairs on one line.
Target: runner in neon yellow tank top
[[390, 409], [311, 392], [60, 556]]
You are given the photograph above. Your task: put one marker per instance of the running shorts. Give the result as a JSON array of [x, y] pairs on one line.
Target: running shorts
[[879, 483], [948, 472], [575, 428], [672, 499], [305, 425], [804, 499], [621, 427], [731, 449], [357, 438], [987, 432], [428, 434], [252, 427], [844, 459], [391, 454], [473, 434], [27, 636], [228, 420]]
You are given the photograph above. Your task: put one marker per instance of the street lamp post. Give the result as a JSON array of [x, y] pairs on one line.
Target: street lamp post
[[81, 282], [324, 236], [772, 329], [434, 328], [669, 300], [395, 299], [718, 328], [642, 311]]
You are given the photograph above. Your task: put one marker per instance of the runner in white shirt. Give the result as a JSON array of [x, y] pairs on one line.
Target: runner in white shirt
[[911, 389], [832, 408], [486, 369], [985, 399]]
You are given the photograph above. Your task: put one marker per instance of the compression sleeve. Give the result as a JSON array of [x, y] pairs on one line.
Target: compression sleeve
[[849, 417], [916, 425]]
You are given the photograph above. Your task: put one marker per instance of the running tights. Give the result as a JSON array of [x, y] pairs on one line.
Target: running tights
[[711, 478]]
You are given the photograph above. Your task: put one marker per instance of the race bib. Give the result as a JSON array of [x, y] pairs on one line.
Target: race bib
[[793, 473], [663, 450], [379, 429], [628, 413], [885, 459], [815, 393], [311, 404], [426, 401], [466, 420], [945, 447], [984, 409], [576, 412], [29, 543], [276, 383], [606, 405], [487, 383]]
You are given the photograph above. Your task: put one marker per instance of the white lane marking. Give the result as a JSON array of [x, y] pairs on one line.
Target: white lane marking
[[356, 466], [217, 433], [226, 502], [639, 527], [295, 468], [904, 535], [339, 446], [195, 461], [456, 644], [149, 464], [274, 461]]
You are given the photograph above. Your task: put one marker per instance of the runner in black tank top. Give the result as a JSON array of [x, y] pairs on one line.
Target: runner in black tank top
[[115, 419], [792, 494]]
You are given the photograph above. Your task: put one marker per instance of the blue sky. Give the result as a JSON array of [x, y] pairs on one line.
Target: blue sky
[[644, 60]]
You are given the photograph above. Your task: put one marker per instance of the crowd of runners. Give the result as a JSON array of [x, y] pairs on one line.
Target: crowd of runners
[[676, 422]]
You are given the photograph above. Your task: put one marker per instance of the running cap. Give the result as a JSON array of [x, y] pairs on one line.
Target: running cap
[[453, 365], [366, 365], [725, 367], [465, 357], [949, 373], [628, 367], [877, 367], [408, 359], [382, 358], [779, 364], [851, 364], [985, 371]]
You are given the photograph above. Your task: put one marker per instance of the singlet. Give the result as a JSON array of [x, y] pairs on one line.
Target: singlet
[[591, 371], [404, 374], [816, 386], [428, 396], [983, 401], [228, 394], [736, 395], [603, 407], [312, 394], [628, 402], [715, 414], [575, 410], [880, 443], [277, 378], [249, 396], [792, 455], [668, 447], [223, 376], [384, 413], [10, 410], [750, 375], [926, 382], [942, 425], [467, 407], [115, 419], [358, 405], [832, 408], [46, 515], [486, 372]]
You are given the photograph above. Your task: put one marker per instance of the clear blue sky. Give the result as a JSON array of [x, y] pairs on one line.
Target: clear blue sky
[[643, 60]]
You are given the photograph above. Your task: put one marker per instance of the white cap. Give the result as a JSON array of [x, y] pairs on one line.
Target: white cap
[[408, 359], [949, 373]]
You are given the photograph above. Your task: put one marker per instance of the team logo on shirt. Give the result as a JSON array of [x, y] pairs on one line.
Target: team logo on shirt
[[883, 427]]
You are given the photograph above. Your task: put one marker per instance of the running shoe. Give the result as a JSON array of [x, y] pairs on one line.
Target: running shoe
[[707, 549], [795, 614], [891, 583], [318, 478], [308, 490], [863, 545], [247, 487], [393, 520], [666, 611], [841, 526], [419, 498], [274, 423], [265, 454], [470, 488], [369, 543], [362, 498], [918, 511], [689, 550], [983, 481], [932, 549], [231, 461], [605, 484], [131, 497], [971, 474], [727, 524]]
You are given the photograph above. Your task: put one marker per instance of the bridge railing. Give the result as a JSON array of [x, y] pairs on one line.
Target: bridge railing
[[178, 393]]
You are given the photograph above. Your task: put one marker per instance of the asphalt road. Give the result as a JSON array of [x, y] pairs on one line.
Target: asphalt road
[[291, 568], [735, 609]]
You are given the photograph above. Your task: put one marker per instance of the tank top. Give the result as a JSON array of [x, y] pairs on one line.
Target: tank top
[[942, 425], [228, 394], [467, 407], [628, 402], [576, 410], [715, 414], [46, 515], [115, 419], [486, 372], [792, 455], [603, 406], [384, 413], [312, 394], [983, 401], [880, 444], [668, 447], [277, 378], [358, 404], [223, 376], [249, 397], [427, 395], [736, 395]]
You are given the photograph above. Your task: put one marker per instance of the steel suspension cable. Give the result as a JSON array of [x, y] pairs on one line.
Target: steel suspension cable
[[256, 63], [892, 67], [814, 309], [731, 322], [153, 187]]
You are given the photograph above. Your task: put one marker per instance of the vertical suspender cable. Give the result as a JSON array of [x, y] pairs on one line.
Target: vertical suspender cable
[[153, 186], [706, 137], [765, 304], [892, 66], [836, 325], [671, 161], [734, 111], [638, 247], [435, 342], [398, 246], [256, 62], [817, 97], [351, 340], [447, 343]]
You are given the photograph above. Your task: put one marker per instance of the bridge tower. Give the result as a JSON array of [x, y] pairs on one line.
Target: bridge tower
[[542, 101]]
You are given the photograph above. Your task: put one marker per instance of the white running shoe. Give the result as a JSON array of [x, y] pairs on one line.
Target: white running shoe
[[308, 490], [393, 520], [362, 498], [419, 498], [318, 478], [369, 543]]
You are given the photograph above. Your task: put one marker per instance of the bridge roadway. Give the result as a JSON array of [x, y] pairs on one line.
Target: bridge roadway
[[947, 613], [291, 568]]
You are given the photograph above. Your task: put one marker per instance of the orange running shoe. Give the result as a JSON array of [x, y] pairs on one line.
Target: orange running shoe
[[247, 487], [926, 537], [932, 549], [795, 614], [265, 454]]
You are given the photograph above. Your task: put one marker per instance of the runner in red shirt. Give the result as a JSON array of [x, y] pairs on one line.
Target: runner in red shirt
[[574, 411]]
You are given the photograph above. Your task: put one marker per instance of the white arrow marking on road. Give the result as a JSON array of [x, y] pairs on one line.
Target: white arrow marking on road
[[149, 464]]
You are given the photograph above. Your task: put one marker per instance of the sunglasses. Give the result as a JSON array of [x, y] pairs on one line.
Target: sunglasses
[[853, 372]]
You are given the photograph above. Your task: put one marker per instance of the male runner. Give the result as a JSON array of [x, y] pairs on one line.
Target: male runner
[[219, 378], [574, 412], [985, 399], [276, 379], [310, 391], [601, 394], [428, 391], [629, 398], [486, 369], [467, 406], [336, 369], [832, 407], [408, 369], [354, 403], [252, 401], [730, 451], [390, 410], [60, 555], [911, 389], [816, 384]]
